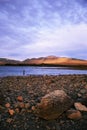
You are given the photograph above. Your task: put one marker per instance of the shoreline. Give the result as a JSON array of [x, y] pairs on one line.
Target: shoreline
[[32, 88], [42, 75]]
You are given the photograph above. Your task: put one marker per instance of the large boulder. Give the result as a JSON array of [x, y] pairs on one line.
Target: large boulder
[[53, 105]]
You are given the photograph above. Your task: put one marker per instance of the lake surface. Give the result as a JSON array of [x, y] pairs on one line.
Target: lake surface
[[18, 70]]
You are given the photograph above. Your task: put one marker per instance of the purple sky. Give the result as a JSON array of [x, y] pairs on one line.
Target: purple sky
[[35, 28]]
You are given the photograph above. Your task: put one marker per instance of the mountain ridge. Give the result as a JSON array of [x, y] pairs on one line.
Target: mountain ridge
[[49, 60]]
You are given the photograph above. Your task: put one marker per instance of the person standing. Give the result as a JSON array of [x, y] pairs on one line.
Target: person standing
[[23, 72]]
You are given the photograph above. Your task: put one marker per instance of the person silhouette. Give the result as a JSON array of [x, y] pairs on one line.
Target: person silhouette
[[23, 72]]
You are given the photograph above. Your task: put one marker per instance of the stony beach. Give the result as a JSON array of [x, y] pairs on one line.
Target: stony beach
[[20, 94]]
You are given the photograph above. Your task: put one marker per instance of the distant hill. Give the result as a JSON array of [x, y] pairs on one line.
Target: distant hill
[[5, 61], [53, 60], [46, 61]]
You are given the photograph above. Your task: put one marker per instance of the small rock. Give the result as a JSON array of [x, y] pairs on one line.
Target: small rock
[[83, 91], [33, 108], [1, 108], [15, 126], [20, 98], [80, 107], [9, 120], [16, 105], [84, 100], [53, 105], [62, 122], [2, 98], [11, 112], [21, 105], [7, 105], [79, 95], [27, 105], [47, 127], [86, 87], [17, 110], [38, 127], [8, 99], [74, 114], [23, 110]]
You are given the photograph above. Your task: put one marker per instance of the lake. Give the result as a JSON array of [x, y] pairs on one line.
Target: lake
[[32, 70]]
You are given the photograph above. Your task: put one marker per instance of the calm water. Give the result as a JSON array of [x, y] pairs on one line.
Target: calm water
[[18, 70]]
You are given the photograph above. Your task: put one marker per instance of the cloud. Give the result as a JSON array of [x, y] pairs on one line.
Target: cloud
[[39, 28], [68, 38]]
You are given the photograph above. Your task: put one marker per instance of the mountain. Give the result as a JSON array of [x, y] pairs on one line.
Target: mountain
[[53, 60], [46, 61], [5, 61]]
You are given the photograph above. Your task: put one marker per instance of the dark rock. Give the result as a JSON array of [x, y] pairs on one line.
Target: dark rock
[[21, 105], [9, 120], [84, 101], [2, 98]]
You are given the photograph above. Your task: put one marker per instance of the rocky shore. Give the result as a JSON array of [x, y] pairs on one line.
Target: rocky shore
[[20, 94]]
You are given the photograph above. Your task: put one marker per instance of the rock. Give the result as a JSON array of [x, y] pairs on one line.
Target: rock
[[82, 91], [2, 98], [80, 107], [84, 102], [27, 105], [7, 105], [11, 112], [21, 105], [20, 98], [1, 108], [74, 114], [8, 99], [79, 95], [33, 108], [86, 87], [16, 105], [53, 105], [9, 120], [38, 126], [17, 110]]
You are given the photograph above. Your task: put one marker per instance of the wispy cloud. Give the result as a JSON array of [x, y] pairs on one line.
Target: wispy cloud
[[43, 27]]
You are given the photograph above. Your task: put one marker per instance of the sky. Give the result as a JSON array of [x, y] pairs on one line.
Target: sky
[[38, 28]]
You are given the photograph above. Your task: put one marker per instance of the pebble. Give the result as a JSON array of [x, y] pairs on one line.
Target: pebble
[[11, 112], [7, 105], [9, 120], [79, 106], [33, 108], [21, 105], [74, 114], [17, 110], [20, 98], [79, 95], [27, 105], [38, 126], [86, 87], [82, 91]]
